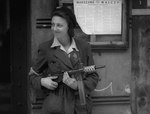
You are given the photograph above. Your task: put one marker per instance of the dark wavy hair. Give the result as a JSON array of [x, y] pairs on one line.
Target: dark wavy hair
[[69, 16]]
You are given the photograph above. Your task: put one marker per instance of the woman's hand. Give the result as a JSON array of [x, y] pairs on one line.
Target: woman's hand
[[49, 83], [71, 82]]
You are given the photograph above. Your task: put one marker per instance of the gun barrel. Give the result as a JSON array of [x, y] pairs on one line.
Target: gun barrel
[[82, 69], [97, 67], [74, 71]]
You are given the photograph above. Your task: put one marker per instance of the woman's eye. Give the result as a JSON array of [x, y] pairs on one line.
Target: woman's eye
[[59, 25], [56, 25]]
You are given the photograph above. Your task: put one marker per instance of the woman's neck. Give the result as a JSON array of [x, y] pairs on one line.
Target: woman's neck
[[66, 43]]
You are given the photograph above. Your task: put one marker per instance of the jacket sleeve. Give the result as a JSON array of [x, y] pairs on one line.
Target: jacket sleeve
[[91, 79], [36, 72]]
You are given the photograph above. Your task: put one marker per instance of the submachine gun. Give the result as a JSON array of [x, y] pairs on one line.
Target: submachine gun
[[81, 71]]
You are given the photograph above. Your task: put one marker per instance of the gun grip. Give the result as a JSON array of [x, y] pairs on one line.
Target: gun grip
[[59, 78]]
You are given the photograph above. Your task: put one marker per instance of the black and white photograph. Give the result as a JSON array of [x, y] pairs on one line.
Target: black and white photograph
[[74, 56]]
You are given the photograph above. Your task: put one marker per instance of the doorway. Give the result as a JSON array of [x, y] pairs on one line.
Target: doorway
[[5, 78]]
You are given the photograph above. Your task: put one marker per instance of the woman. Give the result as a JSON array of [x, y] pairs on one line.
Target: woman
[[55, 57]]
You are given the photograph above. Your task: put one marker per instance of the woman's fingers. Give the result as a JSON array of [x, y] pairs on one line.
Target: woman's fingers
[[49, 83]]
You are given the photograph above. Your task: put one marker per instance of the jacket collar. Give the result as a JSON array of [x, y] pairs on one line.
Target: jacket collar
[[63, 56], [73, 46]]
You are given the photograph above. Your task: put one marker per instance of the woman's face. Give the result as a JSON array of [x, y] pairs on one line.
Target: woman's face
[[60, 28]]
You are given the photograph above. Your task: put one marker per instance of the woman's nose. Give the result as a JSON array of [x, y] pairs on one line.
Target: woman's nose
[[55, 28]]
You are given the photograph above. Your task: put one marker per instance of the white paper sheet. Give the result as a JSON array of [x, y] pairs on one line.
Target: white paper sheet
[[99, 16]]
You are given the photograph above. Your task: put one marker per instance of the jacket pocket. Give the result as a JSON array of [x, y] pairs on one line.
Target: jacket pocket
[[54, 66], [53, 104]]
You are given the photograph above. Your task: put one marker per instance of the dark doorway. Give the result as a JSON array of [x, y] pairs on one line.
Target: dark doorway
[[5, 78], [4, 42]]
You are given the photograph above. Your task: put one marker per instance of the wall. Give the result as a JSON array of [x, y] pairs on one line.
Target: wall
[[117, 72], [141, 64], [40, 9]]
